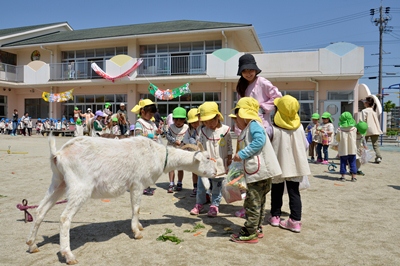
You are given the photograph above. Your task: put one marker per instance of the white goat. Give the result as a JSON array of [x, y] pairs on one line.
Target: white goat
[[104, 168]]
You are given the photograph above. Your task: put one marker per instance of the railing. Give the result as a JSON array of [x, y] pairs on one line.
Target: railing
[[11, 73], [173, 65], [75, 70], [166, 65]]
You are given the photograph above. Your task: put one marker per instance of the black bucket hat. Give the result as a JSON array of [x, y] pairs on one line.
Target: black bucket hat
[[247, 61]]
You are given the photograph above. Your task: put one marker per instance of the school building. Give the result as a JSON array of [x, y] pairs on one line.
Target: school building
[[55, 58]]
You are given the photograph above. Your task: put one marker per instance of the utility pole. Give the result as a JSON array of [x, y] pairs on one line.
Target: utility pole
[[381, 22]]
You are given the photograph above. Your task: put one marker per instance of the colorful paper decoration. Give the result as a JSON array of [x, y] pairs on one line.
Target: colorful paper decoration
[[103, 74], [169, 93], [58, 97]]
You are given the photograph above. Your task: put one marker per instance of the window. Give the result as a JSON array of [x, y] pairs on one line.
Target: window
[[3, 106], [8, 58], [341, 95], [36, 108]]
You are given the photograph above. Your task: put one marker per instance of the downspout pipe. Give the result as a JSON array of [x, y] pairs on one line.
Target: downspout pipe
[[225, 89], [316, 94], [51, 90], [51, 53]]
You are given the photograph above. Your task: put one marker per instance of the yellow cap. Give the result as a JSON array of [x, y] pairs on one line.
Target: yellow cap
[[248, 108], [287, 114], [233, 116], [142, 103], [192, 115], [209, 110], [152, 119]]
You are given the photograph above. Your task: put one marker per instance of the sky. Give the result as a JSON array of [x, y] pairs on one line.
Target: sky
[[285, 25]]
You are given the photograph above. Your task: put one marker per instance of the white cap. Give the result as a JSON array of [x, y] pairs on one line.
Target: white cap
[[122, 104]]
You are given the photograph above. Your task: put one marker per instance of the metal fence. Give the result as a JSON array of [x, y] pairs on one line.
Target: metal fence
[[75, 70], [11, 73]]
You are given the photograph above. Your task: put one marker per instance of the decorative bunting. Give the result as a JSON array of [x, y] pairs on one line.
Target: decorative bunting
[[58, 97], [103, 74], [169, 93]]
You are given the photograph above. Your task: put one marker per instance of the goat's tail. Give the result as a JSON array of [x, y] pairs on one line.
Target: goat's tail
[[52, 144]]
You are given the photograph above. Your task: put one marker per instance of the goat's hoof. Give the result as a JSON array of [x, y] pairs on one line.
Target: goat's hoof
[[33, 249], [138, 236], [72, 262]]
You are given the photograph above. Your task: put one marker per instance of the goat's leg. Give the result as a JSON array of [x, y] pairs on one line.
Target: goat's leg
[[75, 201], [55, 191], [136, 226]]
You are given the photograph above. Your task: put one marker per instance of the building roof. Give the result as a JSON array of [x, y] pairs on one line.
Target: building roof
[[11, 31], [120, 31]]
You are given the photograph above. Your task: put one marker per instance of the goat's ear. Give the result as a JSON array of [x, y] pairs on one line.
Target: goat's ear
[[198, 156], [201, 148]]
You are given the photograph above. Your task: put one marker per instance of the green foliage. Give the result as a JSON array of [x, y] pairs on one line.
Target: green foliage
[[164, 237], [388, 106], [195, 228]]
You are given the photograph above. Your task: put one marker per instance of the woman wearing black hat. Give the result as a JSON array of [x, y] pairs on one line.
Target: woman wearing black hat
[[259, 88]]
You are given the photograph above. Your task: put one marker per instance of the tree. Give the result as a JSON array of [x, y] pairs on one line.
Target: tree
[[388, 106]]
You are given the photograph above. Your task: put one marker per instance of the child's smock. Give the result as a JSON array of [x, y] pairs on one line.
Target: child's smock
[[176, 133], [347, 138], [191, 136], [260, 163], [147, 127], [218, 143], [290, 147], [328, 127]]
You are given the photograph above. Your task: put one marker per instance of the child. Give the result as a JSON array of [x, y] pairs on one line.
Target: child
[[175, 135], [29, 126], [313, 140], [108, 113], [2, 126], [362, 128], [191, 137], [78, 128], [116, 130], [347, 137], [145, 127], [290, 147], [325, 132], [260, 166], [216, 139], [39, 126], [98, 128]]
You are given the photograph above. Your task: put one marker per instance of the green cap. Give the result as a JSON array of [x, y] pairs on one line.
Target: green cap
[[346, 120], [362, 127], [78, 121], [76, 108], [179, 112], [114, 119], [327, 115], [315, 116], [107, 105]]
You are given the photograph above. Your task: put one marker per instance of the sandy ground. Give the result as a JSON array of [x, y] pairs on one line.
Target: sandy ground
[[343, 223]]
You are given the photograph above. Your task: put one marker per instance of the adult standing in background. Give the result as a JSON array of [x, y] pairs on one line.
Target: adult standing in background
[[370, 116], [123, 121], [157, 118], [14, 123]]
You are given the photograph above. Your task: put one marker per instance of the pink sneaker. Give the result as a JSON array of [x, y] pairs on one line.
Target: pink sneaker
[[292, 225], [325, 162], [241, 213], [197, 209], [319, 161], [213, 211], [274, 220]]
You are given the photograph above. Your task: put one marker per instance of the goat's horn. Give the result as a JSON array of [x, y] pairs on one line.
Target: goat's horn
[[190, 147]]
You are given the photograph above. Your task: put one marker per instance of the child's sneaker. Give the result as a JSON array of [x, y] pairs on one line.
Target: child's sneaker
[[260, 233], [194, 193], [325, 162], [359, 172], [319, 161], [178, 187], [170, 189], [213, 211], [292, 225], [241, 213], [274, 220], [148, 191], [197, 209], [353, 179], [244, 237]]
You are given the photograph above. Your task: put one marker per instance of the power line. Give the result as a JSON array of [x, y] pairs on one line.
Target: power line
[[314, 25]]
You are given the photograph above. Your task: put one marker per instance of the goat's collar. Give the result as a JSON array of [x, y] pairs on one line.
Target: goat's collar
[[166, 158]]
